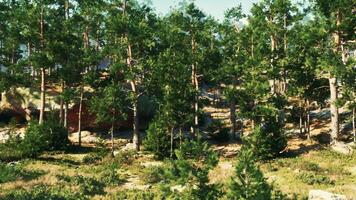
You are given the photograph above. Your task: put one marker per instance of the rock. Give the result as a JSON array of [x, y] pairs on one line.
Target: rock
[[178, 188], [129, 147], [342, 148], [87, 137], [323, 195]]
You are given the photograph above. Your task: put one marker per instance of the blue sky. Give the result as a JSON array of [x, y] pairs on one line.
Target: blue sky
[[215, 8]]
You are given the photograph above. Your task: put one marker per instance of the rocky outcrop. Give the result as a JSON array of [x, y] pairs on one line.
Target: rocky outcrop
[[342, 148], [323, 195]]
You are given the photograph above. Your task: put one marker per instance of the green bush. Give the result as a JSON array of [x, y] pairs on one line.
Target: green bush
[[312, 178], [267, 141], [47, 136], [137, 194], [248, 182], [153, 174], [158, 139], [99, 153], [194, 161], [44, 192], [9, 172], [87, 185]]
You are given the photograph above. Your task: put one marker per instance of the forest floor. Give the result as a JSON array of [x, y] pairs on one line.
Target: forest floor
[[309, 165]]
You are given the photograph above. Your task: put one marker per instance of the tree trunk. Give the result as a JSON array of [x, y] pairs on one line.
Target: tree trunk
[[333, 109], [135, 127], [300, 118], [195, 85], [136, 134], [308, 119], [43, 95], [61, 105], [180, 138], [80, 116], [233, 118], [333, 86], [112, 139], [172, 141], [65, 122], [353, 124], [43, 73]]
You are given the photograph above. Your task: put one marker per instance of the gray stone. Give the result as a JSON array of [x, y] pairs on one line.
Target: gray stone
[[323, 195], [342, 148]]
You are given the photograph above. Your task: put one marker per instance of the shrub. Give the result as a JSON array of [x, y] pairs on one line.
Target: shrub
[[267, 141], [158, 139], [9, 172], [47, 136], [87, 185], [248, 182], [43, 192], [153, 174], [311, 178], [137, 194], [98, 154], [310, 166], [194, 161]]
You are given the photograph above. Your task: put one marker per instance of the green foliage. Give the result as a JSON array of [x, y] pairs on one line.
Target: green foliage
[[153, 174], [137, 194], [9, 172], [47, 136], [267, 141], [87, 185], [158, 140], [312, 178], [44, 192], [194, 160], [248, 182], [97, 155]]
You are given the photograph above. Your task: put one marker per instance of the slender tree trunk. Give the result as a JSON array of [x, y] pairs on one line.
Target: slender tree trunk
[[333, 86], [333, 108], [43, 73], [233, 118], [353, 124], [61, 105], [196, 88], [300, 118], [112, 139], [80, 115], [65, 122], [180, 138], [136, 135], [308, 119], [172, 141]]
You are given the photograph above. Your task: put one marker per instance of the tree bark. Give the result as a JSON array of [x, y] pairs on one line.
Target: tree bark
[[61, 105], [308, 119], [112, 139], [353, 124], [333, 86], [172, 141], [233, 118], [65, 122], [195, 85], [43, 73], [334, 111], [80, 116], [300, 118]]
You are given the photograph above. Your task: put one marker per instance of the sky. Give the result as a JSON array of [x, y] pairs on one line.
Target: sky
[[216, 8]]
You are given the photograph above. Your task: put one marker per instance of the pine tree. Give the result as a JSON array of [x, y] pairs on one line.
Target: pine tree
[[248, 182]]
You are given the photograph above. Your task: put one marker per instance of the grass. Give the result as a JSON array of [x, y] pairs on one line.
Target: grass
[[109, 178]]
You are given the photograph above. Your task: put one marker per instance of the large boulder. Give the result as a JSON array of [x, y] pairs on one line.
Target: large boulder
[[342, 148], [323, 195], [86, 136]]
